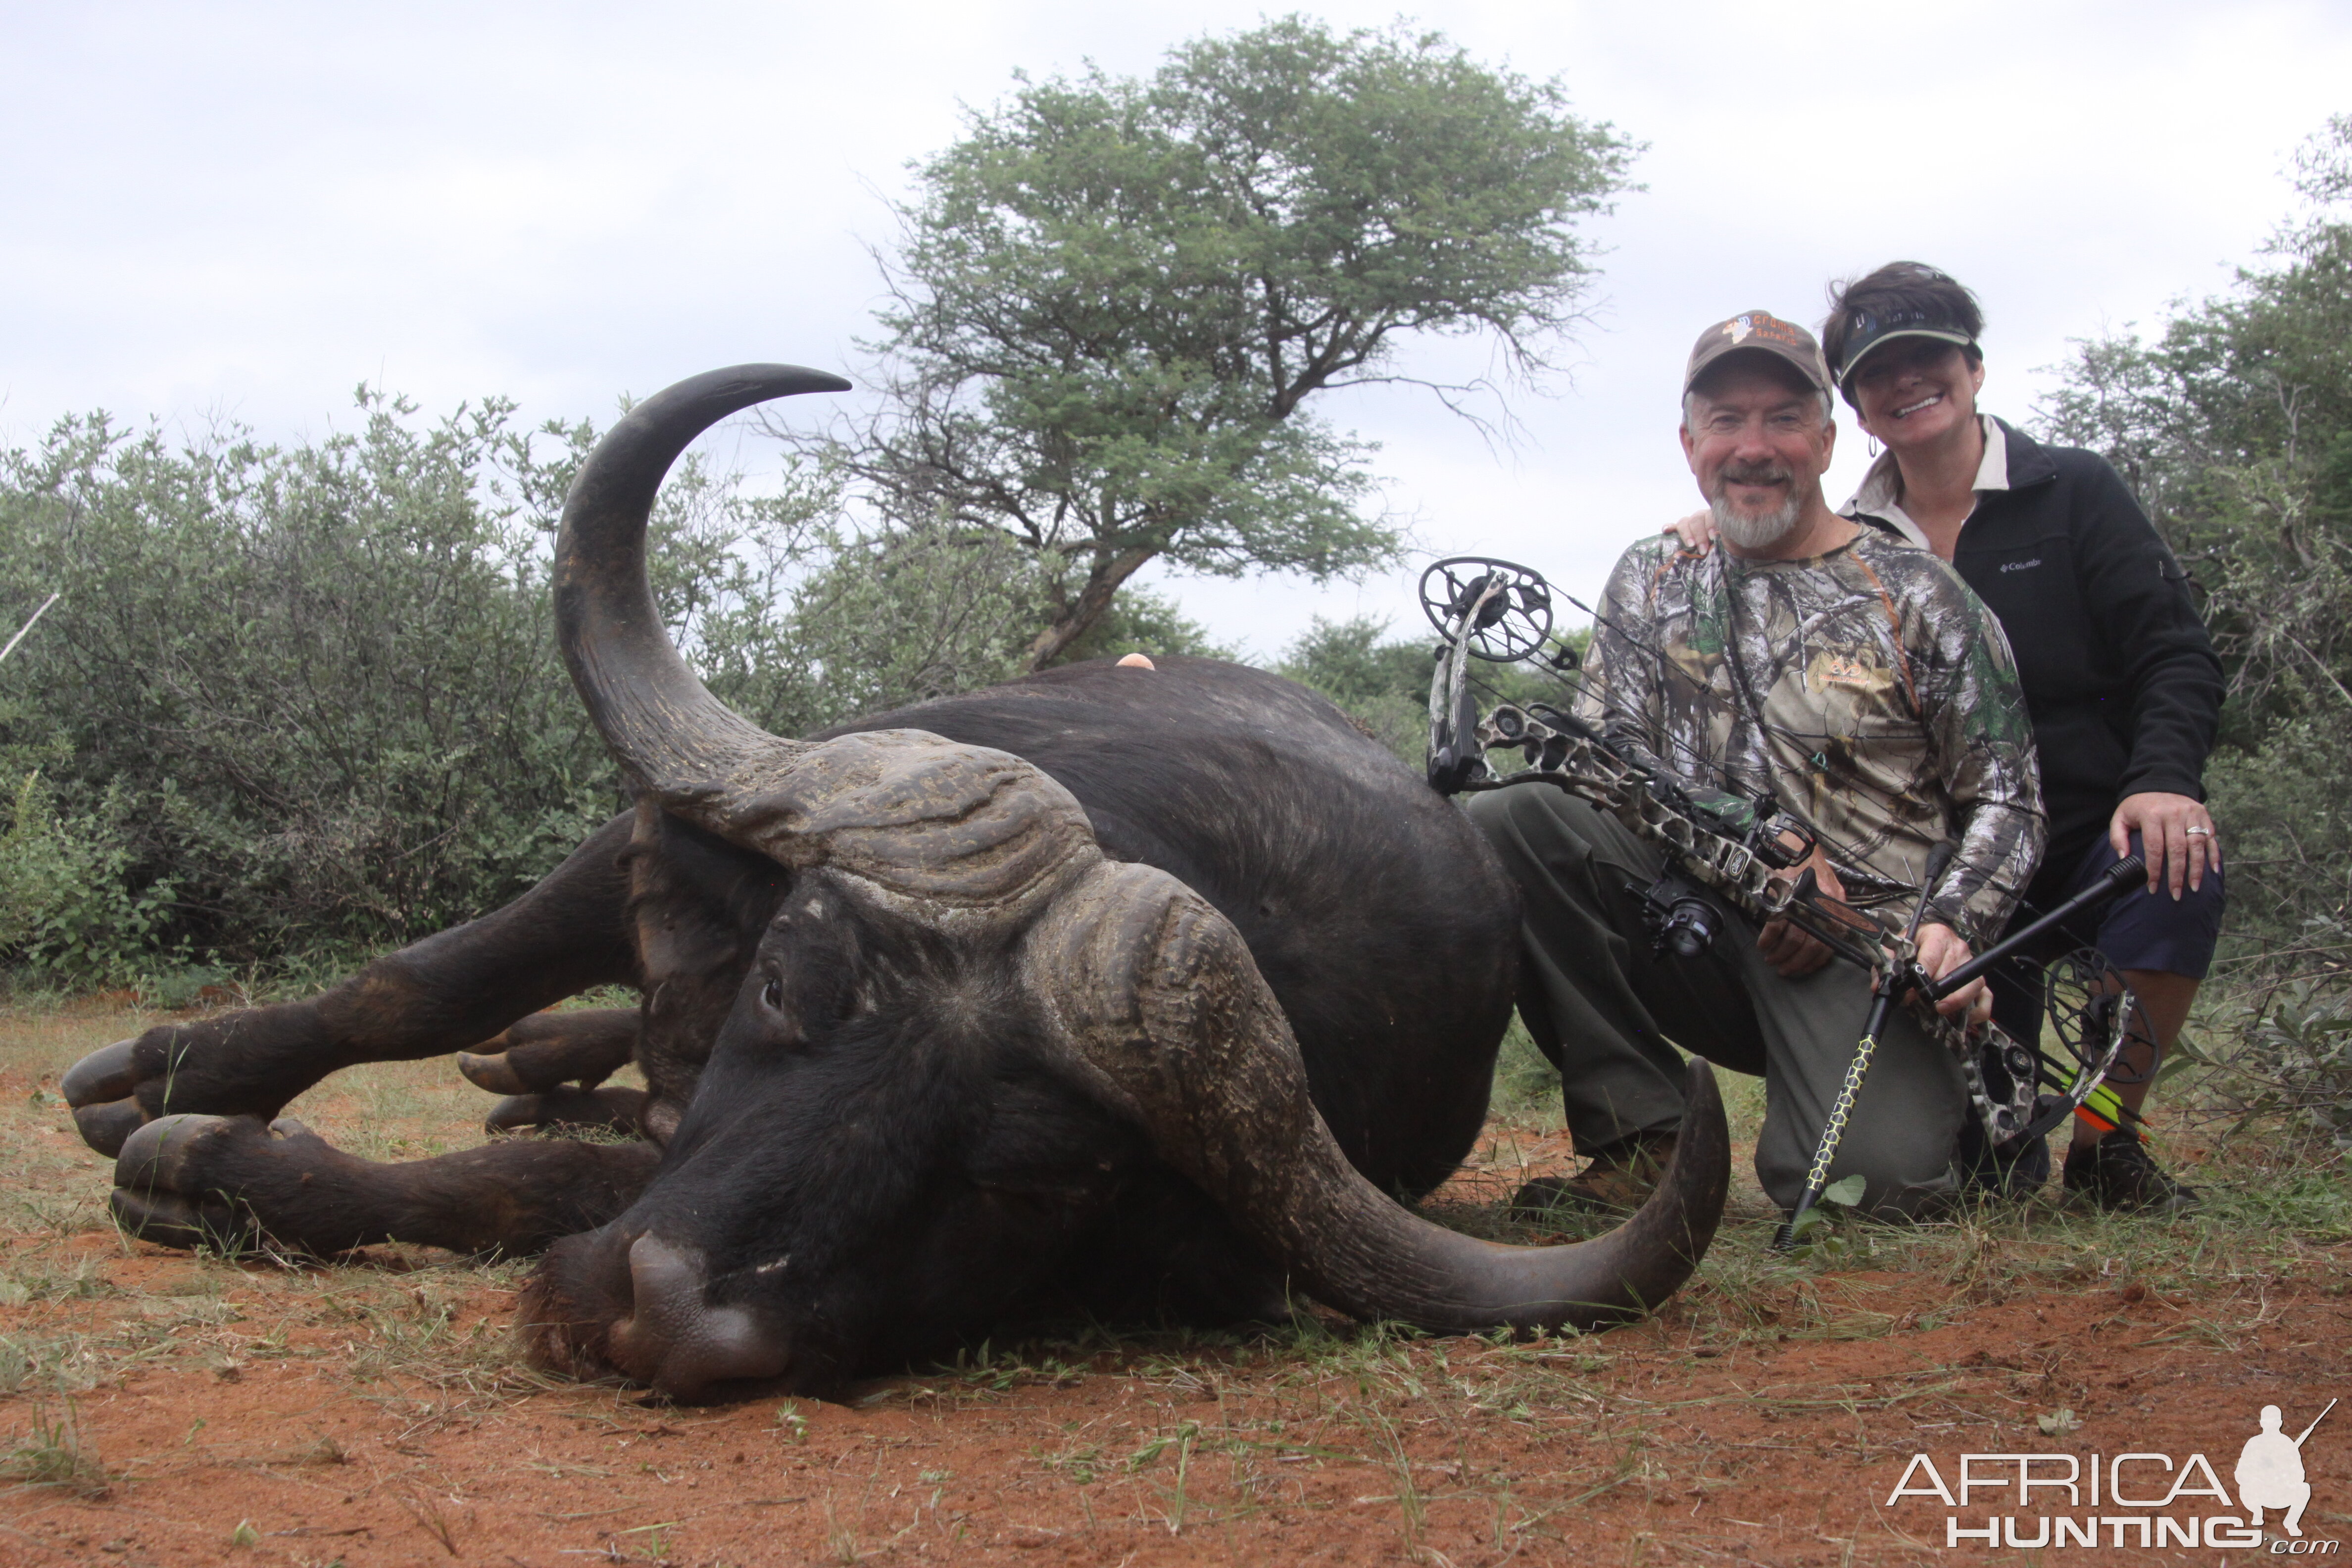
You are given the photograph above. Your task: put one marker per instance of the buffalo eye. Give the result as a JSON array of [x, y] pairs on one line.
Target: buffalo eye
[[772, 996]]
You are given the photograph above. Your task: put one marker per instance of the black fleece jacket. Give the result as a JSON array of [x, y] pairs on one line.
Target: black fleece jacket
[[2119, 675]]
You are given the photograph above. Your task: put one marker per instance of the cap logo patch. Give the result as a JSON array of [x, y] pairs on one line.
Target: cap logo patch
[[1763, 329], [1768, 328]]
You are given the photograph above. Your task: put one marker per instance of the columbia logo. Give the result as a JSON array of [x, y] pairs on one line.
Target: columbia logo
[[2020, 565]]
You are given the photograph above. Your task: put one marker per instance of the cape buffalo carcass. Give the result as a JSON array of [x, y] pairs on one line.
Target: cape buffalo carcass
[[1109, 989]]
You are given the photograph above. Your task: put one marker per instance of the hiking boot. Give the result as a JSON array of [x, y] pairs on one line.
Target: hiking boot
[[1619, 1180], [2118, 1175]]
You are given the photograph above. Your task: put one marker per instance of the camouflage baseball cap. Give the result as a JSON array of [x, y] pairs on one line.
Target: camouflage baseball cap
[[1763, 331]]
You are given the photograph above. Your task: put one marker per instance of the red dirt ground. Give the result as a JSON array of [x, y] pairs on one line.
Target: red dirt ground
[[1763, 1418]]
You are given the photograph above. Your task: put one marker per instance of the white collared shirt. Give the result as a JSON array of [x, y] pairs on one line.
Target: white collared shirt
[[1879, 485]]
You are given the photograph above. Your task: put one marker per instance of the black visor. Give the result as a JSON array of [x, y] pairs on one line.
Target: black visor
[[1865, 330]]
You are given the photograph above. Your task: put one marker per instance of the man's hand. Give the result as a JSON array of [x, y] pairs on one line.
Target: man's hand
[[1697, 532], [1787, 948], [1941, 951], [2178, 833]]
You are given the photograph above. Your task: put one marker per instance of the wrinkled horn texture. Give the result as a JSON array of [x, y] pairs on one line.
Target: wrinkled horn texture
[[1165, 1014]]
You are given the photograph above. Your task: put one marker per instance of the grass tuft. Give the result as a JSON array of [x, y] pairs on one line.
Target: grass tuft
[[56, 1453]]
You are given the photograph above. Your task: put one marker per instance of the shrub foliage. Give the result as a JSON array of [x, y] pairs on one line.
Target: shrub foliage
[[306, 700], [2235, 424]]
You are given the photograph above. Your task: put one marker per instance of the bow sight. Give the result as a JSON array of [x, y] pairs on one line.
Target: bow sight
[[1746, 849]]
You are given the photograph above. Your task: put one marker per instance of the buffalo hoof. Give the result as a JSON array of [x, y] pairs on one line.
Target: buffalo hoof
[[185, 1180], [167, 1151], [99, 1088], [161, 1191], [114, 1097], [107, 1073], [170, 1221], [492, 1072], [107, 1127], [546, 1050], [570, 1110]]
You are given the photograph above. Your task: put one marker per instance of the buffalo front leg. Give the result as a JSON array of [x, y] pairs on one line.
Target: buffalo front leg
[[451, 990], [223, 1181]]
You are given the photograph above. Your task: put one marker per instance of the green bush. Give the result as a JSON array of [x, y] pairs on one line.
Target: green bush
[[2282, 1057], [303, 703], [292, 698], [1382, 682], [2234, 425], [2287, 821], [66, 905]]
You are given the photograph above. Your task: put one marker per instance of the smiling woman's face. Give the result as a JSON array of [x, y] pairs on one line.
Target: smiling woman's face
[[1914, 392]]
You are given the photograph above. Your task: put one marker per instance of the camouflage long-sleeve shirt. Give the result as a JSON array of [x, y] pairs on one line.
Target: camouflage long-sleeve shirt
[[1868, 689]]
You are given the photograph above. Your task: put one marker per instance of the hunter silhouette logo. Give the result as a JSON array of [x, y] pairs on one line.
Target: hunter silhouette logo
[[2116, 1500], [2270, 1470]]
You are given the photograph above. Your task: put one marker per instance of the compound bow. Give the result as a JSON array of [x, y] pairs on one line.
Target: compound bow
[[1745, 849]]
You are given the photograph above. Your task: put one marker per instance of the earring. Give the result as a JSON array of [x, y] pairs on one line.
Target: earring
[[1874, 445]]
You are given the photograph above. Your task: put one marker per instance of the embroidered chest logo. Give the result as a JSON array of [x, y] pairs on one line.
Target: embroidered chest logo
[[2008, 566], [1839, 667]]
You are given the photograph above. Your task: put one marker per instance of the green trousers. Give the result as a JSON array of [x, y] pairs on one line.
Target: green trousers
[[1609, 1013]]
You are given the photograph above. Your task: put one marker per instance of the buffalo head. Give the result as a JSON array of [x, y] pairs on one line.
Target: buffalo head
[[964, 1033]]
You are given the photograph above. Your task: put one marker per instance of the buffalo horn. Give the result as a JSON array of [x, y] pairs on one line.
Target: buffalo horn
[[666, 729], [960, 834], [1164, 1013]]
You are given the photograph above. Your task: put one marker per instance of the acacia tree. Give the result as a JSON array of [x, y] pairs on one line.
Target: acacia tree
[[1112, 299]]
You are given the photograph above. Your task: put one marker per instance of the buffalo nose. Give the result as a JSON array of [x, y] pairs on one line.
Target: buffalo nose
[[675, 1340]]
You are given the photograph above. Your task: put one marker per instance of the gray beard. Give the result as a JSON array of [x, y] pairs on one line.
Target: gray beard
[[1750, 533]]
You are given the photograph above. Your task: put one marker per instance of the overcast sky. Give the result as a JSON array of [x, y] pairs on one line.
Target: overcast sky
[[244, 210]]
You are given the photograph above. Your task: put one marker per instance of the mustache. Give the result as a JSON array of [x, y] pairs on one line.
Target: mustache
[[1766, 473]]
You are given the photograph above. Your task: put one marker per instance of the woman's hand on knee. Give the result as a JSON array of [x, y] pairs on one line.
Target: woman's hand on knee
[[2175, 831]]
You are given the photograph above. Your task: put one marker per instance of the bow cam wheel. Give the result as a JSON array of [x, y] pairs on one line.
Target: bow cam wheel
[[1512, 621]]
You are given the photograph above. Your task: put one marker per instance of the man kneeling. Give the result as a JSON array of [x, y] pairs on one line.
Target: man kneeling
[[1860, 683]]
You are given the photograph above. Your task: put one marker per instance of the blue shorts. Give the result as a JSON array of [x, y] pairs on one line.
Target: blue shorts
[[2135, 929]]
